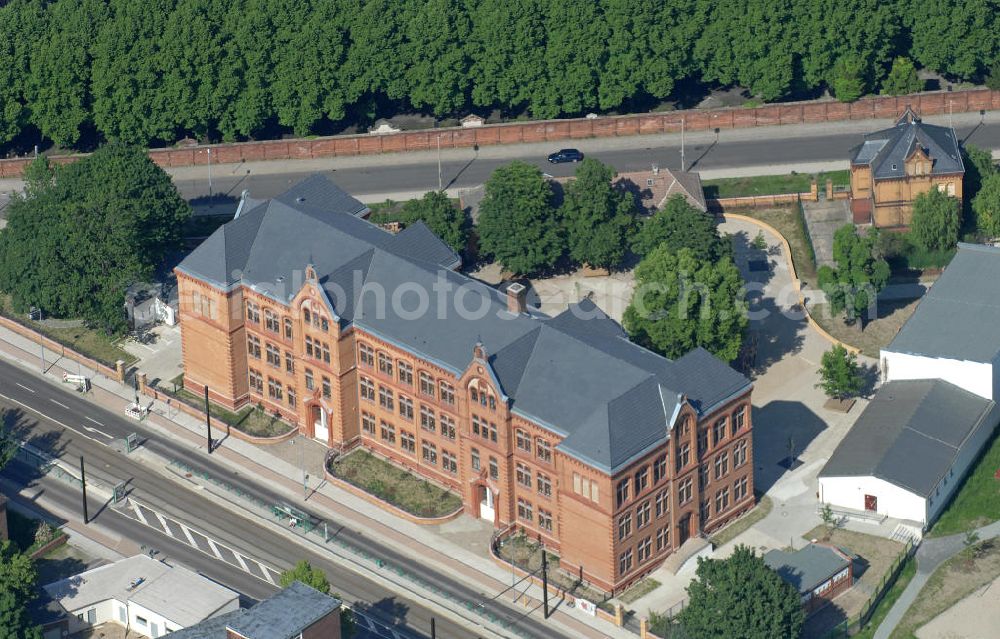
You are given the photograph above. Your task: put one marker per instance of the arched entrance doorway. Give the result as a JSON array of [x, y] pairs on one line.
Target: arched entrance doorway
[[487, 503], [321, 425]]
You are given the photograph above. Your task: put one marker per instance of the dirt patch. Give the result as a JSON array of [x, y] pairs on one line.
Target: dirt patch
[[876, 556], [877, 333], [957, 578], [840, 405]]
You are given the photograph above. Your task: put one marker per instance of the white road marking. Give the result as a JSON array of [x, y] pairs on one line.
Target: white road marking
[[98, 431], [187, 533], [25, 388], [215, 549], [51, 419], [163, 522], [138, 513], [268, 573], [243, 564], [94, 420], [58, 403]]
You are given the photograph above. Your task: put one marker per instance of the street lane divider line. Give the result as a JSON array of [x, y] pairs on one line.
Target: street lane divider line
[[58, 403], [30, 390]]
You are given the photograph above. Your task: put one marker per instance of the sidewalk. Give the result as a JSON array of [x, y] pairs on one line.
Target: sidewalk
[[475, 568]]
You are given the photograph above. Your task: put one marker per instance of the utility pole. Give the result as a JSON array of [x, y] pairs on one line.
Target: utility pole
[[545, 584], [302, 462], [439, 164], [433, 629], [83, 481], [682, 145], [208, 421], [209, 172]]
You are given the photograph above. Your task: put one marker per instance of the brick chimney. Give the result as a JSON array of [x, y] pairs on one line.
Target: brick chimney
[[517, 295]]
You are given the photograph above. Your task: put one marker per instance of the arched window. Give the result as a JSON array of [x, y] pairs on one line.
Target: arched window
[[951, 189]]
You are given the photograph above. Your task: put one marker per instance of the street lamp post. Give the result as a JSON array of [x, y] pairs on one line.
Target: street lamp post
[[439, 163], [209, 173]]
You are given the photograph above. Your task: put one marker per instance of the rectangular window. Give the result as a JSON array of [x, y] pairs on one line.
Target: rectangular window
[[407, 441], [719, 432], [523, 475], [273, 355], [721, 501], [430, 453], [739, 419], [447, 393], [427, 421], [705, 511], [274, 389], [388, 433], [721, 465], [474, 457], [253, 312], [642, 515], [543, 450], [326, 352], [703, 473], [523, 440], [426, 384], [324, 323], [544, 485], [662, 502], [291, 396], [740, 454], [544, 519], [645, 549], [683, 456], [659, 469], [702, 441], [622, 492], [367, 389], [406, 408], [385, 364], [577, 484], [405, 373], [740, 490], [641, 481], [448, 462], [625, 562], [494, 468], [289, 362], [271, 322], [368, 423], [253, 346], [524, 510], [663, 538], [256, 381], [309, 347], [447, 427], [288, 328], [327, 389], [366, 355], [311, 385], [624, 526], [385, 398], [684, 491]]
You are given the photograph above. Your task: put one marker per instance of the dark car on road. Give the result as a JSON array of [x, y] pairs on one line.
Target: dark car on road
[[565, 155]]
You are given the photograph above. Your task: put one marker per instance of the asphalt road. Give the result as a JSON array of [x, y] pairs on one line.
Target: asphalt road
[[91, 429], [366, 175]]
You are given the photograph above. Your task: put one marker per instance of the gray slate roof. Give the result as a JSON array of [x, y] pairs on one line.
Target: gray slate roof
[[889, 148], [808, 567], [282, 616], [577, 373], [910, 434], [958, 317]]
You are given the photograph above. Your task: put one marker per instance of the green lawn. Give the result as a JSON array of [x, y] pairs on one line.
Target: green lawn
[[758, 185], [977, 502], [90, 342], [839, 178], [249, 420], [395, 485], [22, 531], [909, 570], [744, 523], [639, 590]]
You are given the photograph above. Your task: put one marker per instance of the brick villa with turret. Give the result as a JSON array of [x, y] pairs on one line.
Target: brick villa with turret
[[612, 455]]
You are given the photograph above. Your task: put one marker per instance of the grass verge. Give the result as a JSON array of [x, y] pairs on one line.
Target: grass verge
[[786, 221], [24, 532], [250, 420], [639, 590], [395, 485], [525, 553], [977, 501], [744, 523], [757, 185], [877, 333], [890, 598]]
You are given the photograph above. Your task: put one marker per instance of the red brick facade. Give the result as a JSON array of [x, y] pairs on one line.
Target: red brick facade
[[458, 431]]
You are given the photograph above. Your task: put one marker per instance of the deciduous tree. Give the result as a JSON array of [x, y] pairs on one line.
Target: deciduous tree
[[517, 224], [304, 572], [17, 591], [935, 220], [840, 375], [681, 301], [848, 79], [440, 214], [720, 603], [902, 78], [679, 225], [860, 274], [986, 207], [597, 217]]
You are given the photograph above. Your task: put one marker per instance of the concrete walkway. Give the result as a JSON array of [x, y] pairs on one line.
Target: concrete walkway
[[931, 554]]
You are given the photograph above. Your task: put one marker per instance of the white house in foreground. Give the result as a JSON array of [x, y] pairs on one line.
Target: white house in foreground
[[936, 409], [146, 596]]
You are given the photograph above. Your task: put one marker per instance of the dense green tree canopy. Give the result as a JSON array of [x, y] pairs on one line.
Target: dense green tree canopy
[[304, 571], [146, 71], [17, 590], [681, 301], [440, 214], [902, 78], [76, 240], [986, 207], [839, 373], [860, 274], [517, 225], [679, 225], [739, 597], [935, 220], [597, 217]]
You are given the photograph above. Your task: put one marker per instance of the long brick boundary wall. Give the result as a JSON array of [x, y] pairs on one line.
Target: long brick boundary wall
[[117, 374], [930, 103]]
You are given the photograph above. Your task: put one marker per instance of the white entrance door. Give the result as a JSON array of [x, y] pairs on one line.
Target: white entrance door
[[486, 510], [321, 427]]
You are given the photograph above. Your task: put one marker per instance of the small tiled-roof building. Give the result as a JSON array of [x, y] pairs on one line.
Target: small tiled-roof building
[[817, 572], [652, 188], [895, 165]]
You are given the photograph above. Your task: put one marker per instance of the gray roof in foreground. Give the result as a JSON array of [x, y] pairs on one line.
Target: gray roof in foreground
[[576, 373], [957, 318], [886, 150], [808, 567], [281, 616], [910, 434]]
